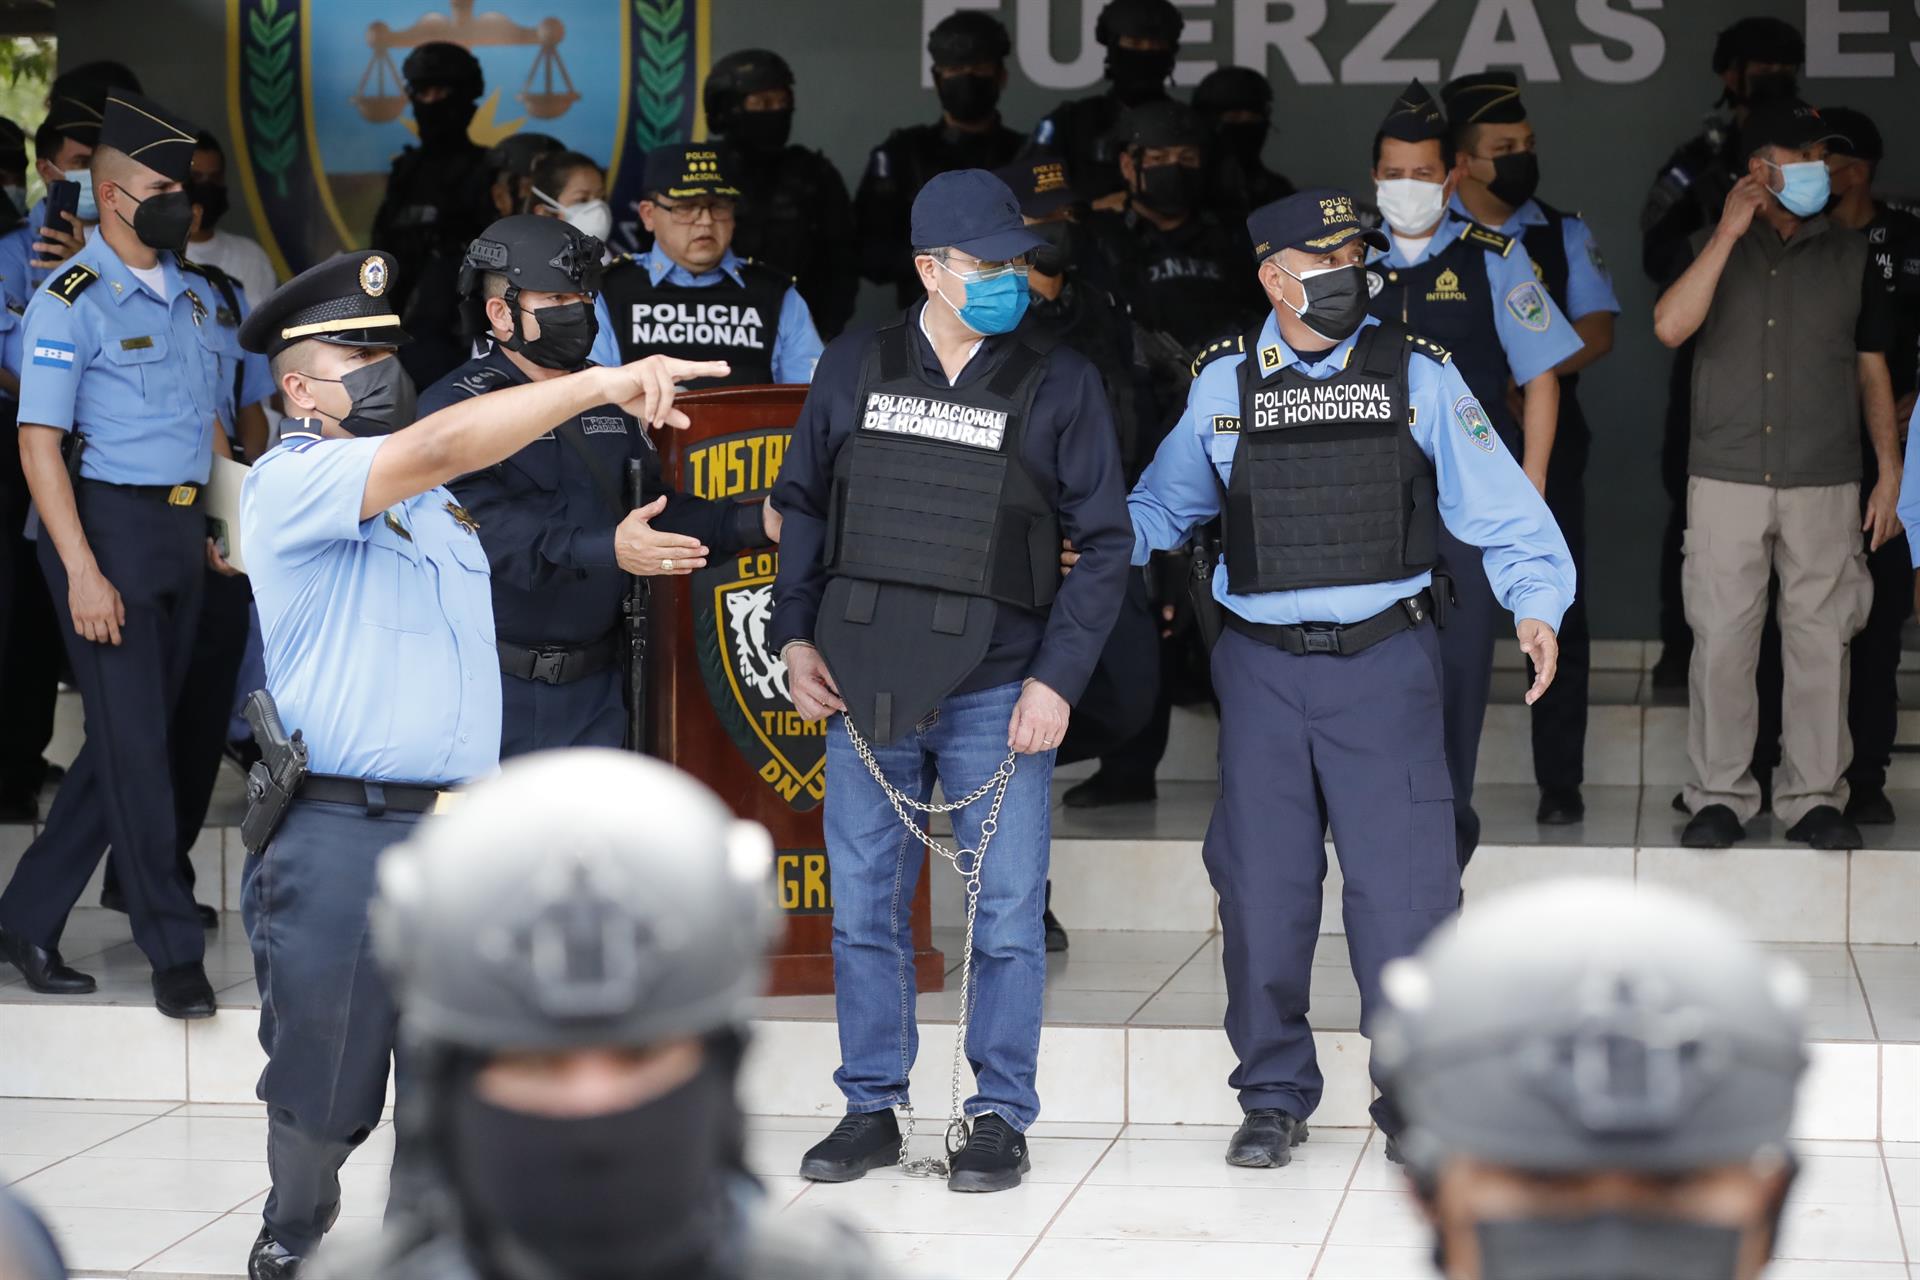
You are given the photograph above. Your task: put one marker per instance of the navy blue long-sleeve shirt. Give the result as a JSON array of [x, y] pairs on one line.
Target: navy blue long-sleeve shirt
[[548, 532], [1067, 445]]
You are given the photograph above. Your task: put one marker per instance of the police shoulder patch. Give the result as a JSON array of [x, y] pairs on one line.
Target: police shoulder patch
[[1226, 424], [1494, 240], [1216, 350], [1430, 349], [479, 382], [1527, 303], [72, 282], [1474, 421]]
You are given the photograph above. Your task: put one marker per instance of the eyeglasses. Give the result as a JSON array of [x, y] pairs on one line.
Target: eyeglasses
[[976, 269], [686, 214]]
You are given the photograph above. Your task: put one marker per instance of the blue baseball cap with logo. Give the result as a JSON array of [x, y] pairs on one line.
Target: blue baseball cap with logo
[[974, 212], [1318, 220]]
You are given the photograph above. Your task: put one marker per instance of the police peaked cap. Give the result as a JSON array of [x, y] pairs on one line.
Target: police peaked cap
[[544, 255], [1162, 122], [1140, 19], [442, 62], [147, 132], [1233, 89], [1492, 97], [1758, 40], [687, 171], [78, 98], [969, 36], [346, 300], [1317, 220], [1414, 117]]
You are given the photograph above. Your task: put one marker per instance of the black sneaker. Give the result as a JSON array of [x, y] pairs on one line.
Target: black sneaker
[[1714, 827], [1105, 789], [1265, 1139], [1560, 807], [862, 1141], [269, 1259], [1869, 807], [1056, 933], [994, 1158], [1825, 827]]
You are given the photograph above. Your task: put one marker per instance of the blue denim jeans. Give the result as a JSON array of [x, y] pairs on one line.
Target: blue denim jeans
[[875, 864]]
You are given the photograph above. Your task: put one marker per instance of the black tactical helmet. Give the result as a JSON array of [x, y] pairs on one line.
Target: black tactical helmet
[[1233, 89], [969, 36], [544, 255], [1164, 122], [1142, 19], [441, 62], [736, 76], [1758, 40]]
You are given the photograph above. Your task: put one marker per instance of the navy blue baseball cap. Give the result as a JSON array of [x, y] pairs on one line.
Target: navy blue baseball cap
[[1318, 220], [974, 212]]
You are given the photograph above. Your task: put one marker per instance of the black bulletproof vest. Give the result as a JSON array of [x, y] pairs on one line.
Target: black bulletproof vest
[[725, 321], [1449, 299], [929, 490], [1329, 487]]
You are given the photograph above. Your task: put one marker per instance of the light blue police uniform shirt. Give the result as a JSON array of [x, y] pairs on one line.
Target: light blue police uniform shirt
[[256, 377], [1908, 504], [1530, 352], [1589, 283], [796, 343], [1486, 500], [137, 373], [379, 633]]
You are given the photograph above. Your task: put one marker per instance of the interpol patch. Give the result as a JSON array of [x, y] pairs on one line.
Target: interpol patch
[[1474, 421], [603, 426], [1528, 304], [57, 355]]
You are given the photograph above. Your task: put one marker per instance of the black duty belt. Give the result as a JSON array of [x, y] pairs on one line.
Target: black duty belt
[[174, 495], [1327, 637], [373, 796], [557, 664]]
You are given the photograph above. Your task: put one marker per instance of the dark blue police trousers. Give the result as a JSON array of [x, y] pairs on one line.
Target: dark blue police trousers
[[327, 1020], [537, 716], [120, 789], [1306, 742], [1474, 620]]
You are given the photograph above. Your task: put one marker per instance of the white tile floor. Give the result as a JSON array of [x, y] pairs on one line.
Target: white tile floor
[[155, 1191]]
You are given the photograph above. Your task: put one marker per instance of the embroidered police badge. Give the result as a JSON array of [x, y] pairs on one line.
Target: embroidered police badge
[[1474, 421], [1528, 304]]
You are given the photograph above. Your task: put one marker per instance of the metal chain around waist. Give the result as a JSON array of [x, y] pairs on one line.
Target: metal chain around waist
[[906, 806]]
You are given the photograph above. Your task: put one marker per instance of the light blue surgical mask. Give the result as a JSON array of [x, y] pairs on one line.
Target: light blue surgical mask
[[1805, 187], [994, 304], [87, 211]]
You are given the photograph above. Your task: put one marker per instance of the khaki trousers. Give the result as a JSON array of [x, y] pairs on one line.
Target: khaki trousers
[[1737, 534]]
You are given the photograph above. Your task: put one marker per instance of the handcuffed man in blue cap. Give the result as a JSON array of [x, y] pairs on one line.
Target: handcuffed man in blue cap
[[1335, 446], [936, 467]]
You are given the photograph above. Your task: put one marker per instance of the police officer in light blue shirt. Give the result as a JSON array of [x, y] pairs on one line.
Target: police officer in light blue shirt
[[1336, 447], [373, 591], [1474, 292], [690, 295], [122, 364]]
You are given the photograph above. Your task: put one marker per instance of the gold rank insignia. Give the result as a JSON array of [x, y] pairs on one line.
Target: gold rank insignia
[[393, 523], [462, 517], [199, 307]]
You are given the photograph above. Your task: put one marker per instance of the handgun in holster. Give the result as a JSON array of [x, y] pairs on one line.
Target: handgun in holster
[[1443, 598], [275, 778], [1209, 615], [73, 446]]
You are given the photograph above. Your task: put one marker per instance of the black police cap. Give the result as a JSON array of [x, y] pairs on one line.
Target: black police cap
[[143, 129], [446, 64], [1233, 89], [346, 300], [1758, 40], [544, 255], [74, 111], [1162, 122], [687, 171], [969, 36], [1492, 97], [1414, 116], [1039, 183], [1783, 122], [1318, 220], [1853, 133], [1139, 19], [98, 76]]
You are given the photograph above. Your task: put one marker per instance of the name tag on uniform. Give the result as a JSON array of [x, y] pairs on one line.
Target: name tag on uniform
[[1225, 424], [136, 344], [603, 426]]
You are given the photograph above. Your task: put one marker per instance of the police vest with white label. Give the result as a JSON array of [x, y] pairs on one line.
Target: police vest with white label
[[1329, 487], [725, 321], [1449, 299]]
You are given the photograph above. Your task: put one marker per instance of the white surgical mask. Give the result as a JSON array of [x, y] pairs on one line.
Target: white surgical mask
[[1409, 205], [594, 217]]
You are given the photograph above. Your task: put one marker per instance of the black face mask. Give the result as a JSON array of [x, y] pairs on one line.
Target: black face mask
[[1516, 176], [969, 99], [162, 221], [1171, 189], [761, 131], [1053, 258], [1139, 75], [1244, 140], [1771, 86], [443, 121], [1336, 301], [608, 1197], [1608, 1246], [381, 398], [212, 199], [566, 336]]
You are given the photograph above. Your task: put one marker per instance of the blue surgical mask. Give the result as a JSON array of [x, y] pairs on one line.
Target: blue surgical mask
[[87, 211], [993, 305], [1805, 188]]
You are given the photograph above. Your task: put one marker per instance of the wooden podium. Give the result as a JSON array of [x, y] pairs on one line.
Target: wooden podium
[[718, 704]]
